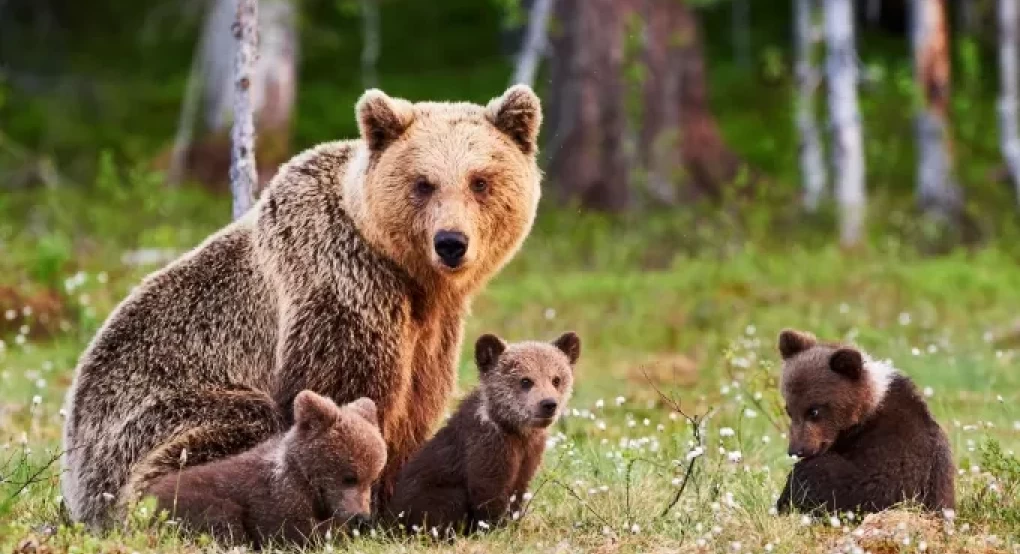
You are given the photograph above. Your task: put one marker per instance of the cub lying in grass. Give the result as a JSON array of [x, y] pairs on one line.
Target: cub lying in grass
[[316, 476]]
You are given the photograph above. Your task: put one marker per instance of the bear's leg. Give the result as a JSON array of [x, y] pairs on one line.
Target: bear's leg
[[832, 483], [208, 426]]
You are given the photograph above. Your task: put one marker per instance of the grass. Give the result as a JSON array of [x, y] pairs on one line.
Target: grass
[[677, 313]]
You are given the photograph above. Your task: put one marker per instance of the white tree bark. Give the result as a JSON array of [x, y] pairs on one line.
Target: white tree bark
[[937, 191], [243, 175], [535, 42], [1009, 131], [274, 78], [370, 43], [848, 153], [812, 162]]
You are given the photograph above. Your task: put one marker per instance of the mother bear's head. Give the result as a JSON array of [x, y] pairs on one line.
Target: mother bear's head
[[450, 189]]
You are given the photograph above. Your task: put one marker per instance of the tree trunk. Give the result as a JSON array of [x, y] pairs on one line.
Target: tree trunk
[[370, 43], [710, 164], [848, 153], [534, 44], [812, 163], [740, 28], [586, 113], [682, 149], [937, 191], [211, 85], [1009, 132], [243, 176], [873, 12]]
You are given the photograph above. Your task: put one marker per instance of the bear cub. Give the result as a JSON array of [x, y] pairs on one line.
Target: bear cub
[[864, 435], [476, 469], [316, 476]]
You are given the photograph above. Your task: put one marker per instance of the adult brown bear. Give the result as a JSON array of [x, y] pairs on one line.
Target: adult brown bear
[[351, 277]]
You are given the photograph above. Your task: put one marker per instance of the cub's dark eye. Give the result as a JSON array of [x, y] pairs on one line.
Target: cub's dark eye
[[556, 382], [349, 480], [526, 383], [422, 187], [813, 413], [479, 185]]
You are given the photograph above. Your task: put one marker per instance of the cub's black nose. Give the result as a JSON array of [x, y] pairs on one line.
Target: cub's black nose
[[360, 522], [451, 247], [547, 407]]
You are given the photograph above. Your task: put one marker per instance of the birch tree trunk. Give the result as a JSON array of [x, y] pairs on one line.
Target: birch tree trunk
[[535, 41], [937, 191], [370, 43], [1009, 131], [848, 153], [243, 175], [812, 163]]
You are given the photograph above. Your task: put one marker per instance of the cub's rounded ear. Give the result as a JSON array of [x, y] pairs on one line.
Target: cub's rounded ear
[[382, 119], [793, 342], [570, 344], [313, 411], [487, 351], [518, 114], [365, 407], [847, 362]]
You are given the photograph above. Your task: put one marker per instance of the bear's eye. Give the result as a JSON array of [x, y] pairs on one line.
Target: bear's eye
[[556, 382], [422, 187], [479, 185], [526, 383], [813, 413], [349, 480]]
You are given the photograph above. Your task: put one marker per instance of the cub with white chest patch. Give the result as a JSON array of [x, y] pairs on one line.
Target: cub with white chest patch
[[863, 432]]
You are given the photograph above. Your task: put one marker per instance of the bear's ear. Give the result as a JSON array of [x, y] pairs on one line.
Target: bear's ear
[[518, 114], [570, 344], [365, 407], [313, 412], [382, 119], [487, 351], [793, 342], [847, 362]]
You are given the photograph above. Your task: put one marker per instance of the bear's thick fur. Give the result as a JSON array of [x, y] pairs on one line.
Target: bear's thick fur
[[293, 487], [865, 435], [350, 277], [478, 466]]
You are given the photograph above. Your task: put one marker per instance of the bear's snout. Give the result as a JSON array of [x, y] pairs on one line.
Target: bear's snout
[[547, 408], [450, 246]]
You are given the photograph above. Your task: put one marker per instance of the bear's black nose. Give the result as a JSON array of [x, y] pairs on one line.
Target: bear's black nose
[[547, 407], [451, 247]]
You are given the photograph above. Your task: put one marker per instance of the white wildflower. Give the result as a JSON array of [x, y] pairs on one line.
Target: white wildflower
[[726, 432]]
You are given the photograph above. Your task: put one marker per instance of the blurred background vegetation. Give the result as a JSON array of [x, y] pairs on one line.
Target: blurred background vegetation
[[91, 100]]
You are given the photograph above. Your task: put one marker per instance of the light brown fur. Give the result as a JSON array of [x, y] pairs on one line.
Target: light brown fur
[[330, 283], [315, 477]]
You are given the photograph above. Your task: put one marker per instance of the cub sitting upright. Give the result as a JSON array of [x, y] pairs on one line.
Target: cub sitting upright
[[478, 467], [864, 435], [291, 487]]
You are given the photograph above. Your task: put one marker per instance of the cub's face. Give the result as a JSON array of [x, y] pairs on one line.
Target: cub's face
[[451, 189], [340, 451], [824, 390], [527, 384]]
